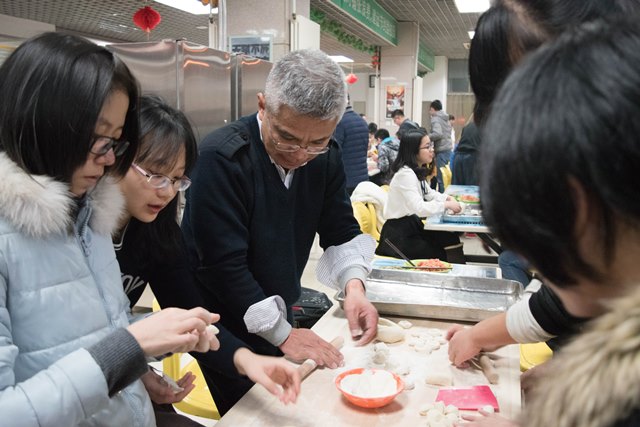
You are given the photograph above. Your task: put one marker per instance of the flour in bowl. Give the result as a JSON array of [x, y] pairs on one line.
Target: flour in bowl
[[370, 384]]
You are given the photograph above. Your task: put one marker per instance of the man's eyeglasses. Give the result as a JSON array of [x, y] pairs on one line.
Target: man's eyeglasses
[[292, 148], [163, 181], [102, 145]]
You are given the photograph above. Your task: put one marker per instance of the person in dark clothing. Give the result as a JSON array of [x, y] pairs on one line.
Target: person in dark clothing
[[404, 123], [467, 151], [586, 246], [150, 249], [352, 134], [440, 134], [388, 147], [262, 188]]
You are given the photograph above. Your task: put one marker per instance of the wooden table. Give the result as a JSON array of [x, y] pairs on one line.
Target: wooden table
[[321, 404]]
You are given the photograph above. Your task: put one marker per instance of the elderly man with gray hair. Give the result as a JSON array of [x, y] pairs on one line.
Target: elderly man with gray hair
[[262, 188]]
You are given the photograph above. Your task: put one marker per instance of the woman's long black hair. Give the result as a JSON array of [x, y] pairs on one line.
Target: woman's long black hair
[[408, 154], [164, 133]]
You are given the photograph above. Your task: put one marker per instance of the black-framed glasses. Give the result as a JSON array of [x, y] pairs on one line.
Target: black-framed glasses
[[292, 148], [163, 181], [102, 145]]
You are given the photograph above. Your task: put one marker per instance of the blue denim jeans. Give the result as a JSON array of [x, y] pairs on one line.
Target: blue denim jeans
[[442, 158], [514, 267]]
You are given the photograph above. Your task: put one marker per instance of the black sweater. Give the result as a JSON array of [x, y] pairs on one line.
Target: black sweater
[[173, 284], [249, 235]]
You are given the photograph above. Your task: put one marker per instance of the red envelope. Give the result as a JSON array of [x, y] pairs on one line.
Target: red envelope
[[468, 398]]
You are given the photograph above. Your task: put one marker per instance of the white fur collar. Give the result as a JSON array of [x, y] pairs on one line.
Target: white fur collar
[[40, 206]]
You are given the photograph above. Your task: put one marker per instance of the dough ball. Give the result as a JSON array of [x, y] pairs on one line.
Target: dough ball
[[453, 417], [488, 408], [424, 409], [380, 346], [451, 409], [440, 379], [380, 358], [388, 331], [409, 384], [405, 324]]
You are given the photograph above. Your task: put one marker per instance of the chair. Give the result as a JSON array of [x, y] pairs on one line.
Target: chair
[[365, 214], [446, 175], [199, 402], [533, 354]]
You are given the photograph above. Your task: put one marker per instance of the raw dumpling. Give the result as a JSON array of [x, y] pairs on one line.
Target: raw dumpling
[[388, 331]]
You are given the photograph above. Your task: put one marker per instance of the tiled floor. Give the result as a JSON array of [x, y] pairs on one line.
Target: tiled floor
[[471, 246]]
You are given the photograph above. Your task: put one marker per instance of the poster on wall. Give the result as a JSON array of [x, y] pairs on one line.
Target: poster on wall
[[254, 46], [395, 99]]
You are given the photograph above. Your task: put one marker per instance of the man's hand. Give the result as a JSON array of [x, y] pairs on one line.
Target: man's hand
[[275, 374], [160, 392], [361, 314], [305, 344]]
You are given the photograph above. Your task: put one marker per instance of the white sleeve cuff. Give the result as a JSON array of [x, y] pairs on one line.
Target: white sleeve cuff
[[351, 260], [521, 324], [268, 319]]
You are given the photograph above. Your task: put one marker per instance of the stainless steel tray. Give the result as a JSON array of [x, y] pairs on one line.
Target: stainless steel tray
[[439, 296]]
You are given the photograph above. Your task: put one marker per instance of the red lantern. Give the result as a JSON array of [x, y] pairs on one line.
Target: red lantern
[[146, 19], [351, 78], [375, 60]]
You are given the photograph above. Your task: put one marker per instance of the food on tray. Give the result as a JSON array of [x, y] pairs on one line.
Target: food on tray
[[467, 198], [429, 265], [433, 265]]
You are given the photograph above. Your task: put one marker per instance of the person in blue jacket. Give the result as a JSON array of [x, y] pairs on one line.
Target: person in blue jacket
[[69, 355], [352, 134]]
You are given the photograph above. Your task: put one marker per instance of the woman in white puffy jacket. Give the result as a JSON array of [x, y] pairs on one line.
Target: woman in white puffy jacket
[[410, 199], [68, 354]]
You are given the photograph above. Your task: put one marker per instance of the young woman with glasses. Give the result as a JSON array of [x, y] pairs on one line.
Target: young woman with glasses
[[68, 354], [150, 249], [411, 198]]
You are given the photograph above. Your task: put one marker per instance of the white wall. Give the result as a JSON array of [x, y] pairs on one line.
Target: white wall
[[22, 28], [434, 85]]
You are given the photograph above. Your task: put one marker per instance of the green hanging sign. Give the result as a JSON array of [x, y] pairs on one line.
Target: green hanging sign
[[373, 16], [426, 58]]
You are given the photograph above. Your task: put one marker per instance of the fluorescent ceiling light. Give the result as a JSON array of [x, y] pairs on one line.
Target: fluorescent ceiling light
[[191, 6], [472, 6], [471, 34], [340, 58]]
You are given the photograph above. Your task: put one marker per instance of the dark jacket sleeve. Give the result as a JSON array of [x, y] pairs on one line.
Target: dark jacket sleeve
[[217, 220], [551, 315], [174, 285]]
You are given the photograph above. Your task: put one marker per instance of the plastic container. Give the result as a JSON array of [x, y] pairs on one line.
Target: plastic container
[[368, 402]]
